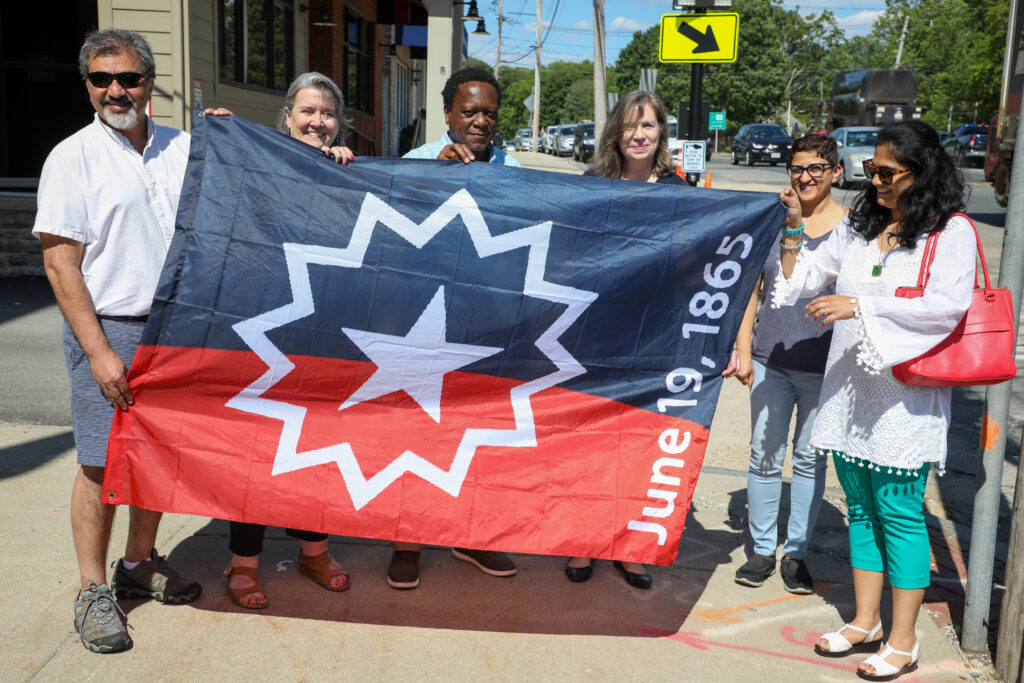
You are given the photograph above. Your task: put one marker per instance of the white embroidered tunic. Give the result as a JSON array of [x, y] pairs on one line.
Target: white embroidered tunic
[[864, 411]]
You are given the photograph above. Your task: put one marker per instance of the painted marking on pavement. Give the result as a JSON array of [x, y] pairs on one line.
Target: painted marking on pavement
[[725, 614]]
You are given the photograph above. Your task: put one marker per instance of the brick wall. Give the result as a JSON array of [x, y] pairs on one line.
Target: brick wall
[[20, 253]]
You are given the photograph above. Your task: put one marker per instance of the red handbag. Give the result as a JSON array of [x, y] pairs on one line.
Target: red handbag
[[981, 348]]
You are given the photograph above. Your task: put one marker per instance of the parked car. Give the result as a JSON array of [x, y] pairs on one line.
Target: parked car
[[524, 140], [547, 140], [498, 141], [583, 143], [968, 144], [564, 137], [761, 142], [856, 145]]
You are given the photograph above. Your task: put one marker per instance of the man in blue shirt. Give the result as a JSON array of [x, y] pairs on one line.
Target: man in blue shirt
[[471, 100]]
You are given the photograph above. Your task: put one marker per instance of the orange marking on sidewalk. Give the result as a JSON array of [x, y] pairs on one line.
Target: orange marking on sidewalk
[[724, 615], [989, 432]]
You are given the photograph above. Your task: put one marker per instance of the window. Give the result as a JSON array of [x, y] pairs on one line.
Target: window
[[256, 42], [358, 75]]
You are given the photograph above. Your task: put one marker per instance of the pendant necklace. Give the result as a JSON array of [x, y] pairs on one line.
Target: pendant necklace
[[876, 270]]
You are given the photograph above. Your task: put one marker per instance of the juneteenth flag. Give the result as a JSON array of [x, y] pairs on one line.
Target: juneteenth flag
[[427, 351]]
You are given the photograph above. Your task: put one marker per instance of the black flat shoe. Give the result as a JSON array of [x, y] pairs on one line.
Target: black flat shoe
[[641, 581], [578, 574]]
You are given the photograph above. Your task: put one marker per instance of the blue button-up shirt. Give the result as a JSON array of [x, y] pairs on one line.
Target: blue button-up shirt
[[432, 149]]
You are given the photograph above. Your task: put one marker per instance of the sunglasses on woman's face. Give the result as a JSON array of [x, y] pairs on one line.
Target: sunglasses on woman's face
[[127, 79], [885, 175], [814, 170]]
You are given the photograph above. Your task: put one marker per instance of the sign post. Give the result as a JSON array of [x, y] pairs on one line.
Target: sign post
[[716, 122], [696, 39]]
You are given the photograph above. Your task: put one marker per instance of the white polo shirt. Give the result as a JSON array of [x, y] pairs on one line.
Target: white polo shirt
[[97, 190]]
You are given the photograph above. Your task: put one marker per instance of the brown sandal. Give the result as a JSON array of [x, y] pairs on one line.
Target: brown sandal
[[238, 593], [318, 568]]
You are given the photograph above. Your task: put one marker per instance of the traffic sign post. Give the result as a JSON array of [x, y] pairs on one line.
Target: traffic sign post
[[693, 156], [716, 122], [699, 38]]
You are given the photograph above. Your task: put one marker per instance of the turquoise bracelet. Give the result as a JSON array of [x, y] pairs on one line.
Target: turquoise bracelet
[[793, 232]]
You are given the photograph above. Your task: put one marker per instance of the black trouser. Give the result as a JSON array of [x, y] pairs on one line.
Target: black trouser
[[247, 539]]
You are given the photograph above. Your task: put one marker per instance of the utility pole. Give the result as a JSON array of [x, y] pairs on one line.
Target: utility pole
[[536, 86], [899, 51], [501, 18], [988, 492], [600, 87]]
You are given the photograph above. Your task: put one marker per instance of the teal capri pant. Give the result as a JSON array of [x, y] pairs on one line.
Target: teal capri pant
[[886, 516]]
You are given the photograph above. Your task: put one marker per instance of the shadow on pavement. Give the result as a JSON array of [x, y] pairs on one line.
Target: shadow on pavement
[[455, 595], [24, 295], [15, 460]]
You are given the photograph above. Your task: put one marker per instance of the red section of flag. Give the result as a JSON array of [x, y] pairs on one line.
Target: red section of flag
[[604, 480]]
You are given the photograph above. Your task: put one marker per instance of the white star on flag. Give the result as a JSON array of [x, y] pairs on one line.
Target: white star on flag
[[415, 363]]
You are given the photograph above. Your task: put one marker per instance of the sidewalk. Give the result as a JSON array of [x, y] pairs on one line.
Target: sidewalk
[[695, 624]]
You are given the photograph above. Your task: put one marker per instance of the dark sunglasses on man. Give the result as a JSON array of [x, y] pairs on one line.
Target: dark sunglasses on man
[[127, 79], [814, 170], [885, 175]]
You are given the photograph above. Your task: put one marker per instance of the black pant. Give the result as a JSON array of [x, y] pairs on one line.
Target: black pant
[[247, 539]]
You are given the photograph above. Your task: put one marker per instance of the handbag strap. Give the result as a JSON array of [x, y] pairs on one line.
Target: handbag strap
[[929, 256]]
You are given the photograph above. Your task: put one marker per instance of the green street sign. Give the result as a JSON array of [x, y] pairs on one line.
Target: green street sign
[[716, 120]]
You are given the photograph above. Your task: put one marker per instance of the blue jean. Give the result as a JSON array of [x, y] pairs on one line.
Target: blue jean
[[774, 393]]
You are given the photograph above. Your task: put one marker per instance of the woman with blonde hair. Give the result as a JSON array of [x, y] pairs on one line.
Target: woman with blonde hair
[[633, 146]]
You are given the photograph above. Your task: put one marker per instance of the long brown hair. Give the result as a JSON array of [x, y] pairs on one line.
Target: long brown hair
[[608, 157]]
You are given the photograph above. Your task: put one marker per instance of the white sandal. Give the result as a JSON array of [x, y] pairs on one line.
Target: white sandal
[[839, 646], [884, 671]]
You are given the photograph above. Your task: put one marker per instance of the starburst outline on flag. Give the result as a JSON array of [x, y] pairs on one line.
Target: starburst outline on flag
[[374, 211]]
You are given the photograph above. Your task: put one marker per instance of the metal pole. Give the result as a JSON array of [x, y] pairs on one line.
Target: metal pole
[[600, 85], [1009, 654], [696, 99], [899, 52], [536, 86], [497, 57], [988, 491], [693, 125]]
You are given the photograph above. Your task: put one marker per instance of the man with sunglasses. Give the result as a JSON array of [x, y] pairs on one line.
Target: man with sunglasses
[[107, 199]]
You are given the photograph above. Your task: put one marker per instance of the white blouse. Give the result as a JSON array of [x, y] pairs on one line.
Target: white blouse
[[864, 412]]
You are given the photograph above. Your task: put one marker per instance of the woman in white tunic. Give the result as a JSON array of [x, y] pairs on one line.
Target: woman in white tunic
[[883, 435]]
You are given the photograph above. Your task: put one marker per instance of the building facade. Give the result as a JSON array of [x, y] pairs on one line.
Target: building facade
[[238, 54]]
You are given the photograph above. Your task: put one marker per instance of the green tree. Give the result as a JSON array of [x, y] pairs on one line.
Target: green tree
[[513, 115], [578, 104]]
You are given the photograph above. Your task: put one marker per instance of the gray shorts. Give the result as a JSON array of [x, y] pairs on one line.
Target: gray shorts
[[91, 415]]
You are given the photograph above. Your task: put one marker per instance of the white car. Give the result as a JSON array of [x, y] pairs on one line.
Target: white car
[[856, 145]]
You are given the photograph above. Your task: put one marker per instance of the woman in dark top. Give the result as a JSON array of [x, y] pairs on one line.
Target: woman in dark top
[[633, 146]]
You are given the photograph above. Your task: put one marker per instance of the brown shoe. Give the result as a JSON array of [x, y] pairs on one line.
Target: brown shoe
[[318, 568], [404, 569], [487, 561], [153, 578], [238, 593]]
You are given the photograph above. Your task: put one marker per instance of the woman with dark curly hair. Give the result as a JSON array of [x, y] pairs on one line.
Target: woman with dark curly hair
[[883, 435], [633, 146]]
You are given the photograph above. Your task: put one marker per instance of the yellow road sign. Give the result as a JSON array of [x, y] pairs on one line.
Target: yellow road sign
[[699, 37]]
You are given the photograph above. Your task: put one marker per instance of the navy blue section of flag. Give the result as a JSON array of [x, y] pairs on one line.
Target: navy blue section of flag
[[670, 268]]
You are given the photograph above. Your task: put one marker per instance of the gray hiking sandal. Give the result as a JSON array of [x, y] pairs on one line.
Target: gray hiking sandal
[[99, 621], [153, 578]]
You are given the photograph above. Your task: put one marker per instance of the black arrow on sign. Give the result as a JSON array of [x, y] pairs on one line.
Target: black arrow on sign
[[705, 41]]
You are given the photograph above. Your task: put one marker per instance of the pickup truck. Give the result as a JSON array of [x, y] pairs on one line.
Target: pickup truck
[[968, 144]]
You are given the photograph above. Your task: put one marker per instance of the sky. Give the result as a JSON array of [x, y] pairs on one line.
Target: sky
[[568, 25]]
